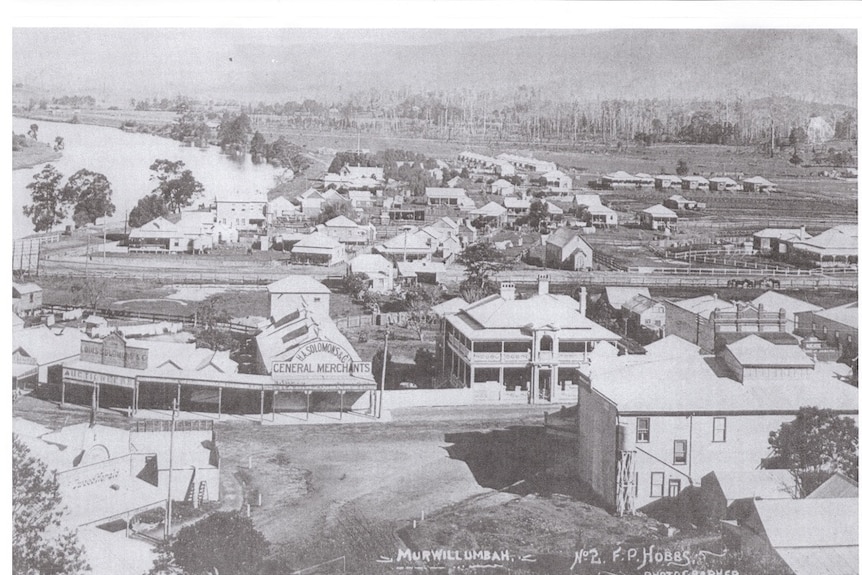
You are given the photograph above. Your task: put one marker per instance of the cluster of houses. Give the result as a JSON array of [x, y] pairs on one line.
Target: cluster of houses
[[621, 179]]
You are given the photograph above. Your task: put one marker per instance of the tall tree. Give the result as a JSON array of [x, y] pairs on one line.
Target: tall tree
[[147, 209], [91, 193], [178, 187], [817, 443], [481, 259], [39, 544], [257, 148], [34, 131], [49, 205]]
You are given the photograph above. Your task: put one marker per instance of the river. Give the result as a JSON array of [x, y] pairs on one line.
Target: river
[[125, 158]]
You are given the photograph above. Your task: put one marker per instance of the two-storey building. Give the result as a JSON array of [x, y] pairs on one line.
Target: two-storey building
[[531, 347]]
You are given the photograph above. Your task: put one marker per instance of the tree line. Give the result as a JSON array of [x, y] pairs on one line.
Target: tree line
[[86, 194]]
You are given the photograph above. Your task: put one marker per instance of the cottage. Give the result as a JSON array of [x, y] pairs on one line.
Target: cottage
[[758, 184], [346, 231], [28, 296], [666, 182], [646, 312], [600, 216], [836, 247], [722, 184], [778, 241], [526, 348], [406, 246], [297, 291], [380, 271], [677, 202], [567, 249], [493, 212], [503, 188], [695, 183], [449, 197], [516, 206], [557, 180], [422, 271], [619, 179], [318, 249], [311, 203], [658, 218], [645, 180], [159, 235], [528, 164], [242, 213], [281, 210], [679, 418], [361, 199]]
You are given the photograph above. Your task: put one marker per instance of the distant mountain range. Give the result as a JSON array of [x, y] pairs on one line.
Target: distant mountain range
[[810, 65]]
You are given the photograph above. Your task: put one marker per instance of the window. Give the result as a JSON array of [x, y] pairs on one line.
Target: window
[[680, 452], [673, 487], [643, 430], [719, 429], [656, 487]]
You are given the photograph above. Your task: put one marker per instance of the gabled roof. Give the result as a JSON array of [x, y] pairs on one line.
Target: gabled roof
[[759, 181], [555, 175], [679, 199], [837, 486], [660, 211], [491, 209], [316, 241], [340, 222], [599, 209], [810, 522], [617, 296], [410, 269], [369, 263], [847, 314], [723, 180], [282, 203], [785, 234], [755, 483], [640, 304], [619, 175], [562, 237], [25, 288], [588, 200], [297, 284], [159, 224], [669, 177], [501, 183], [644, 176], [310, 192], [774, 301], [695, 179], [516, 203], [840, 237], [445, 192], [703, 305], [754, 351], [553, 209], [450, 306], [47, 345]]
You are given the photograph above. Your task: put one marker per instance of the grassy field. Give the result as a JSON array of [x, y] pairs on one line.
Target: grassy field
[[33, 154]]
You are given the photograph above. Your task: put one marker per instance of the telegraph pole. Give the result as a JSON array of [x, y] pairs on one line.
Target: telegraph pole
[[383, 374], [170, 469]]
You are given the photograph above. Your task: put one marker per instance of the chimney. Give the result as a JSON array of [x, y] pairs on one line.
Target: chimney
[[507, 291], [801, 232], [582, 302], [544, 281]]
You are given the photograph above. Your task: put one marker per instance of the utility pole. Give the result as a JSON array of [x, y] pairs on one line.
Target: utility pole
[[383, 374], [174, 408]]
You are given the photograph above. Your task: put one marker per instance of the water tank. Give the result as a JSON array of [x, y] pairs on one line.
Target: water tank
[[625, 438]]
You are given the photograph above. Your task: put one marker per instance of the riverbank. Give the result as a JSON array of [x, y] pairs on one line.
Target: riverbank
[[33, 154]]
